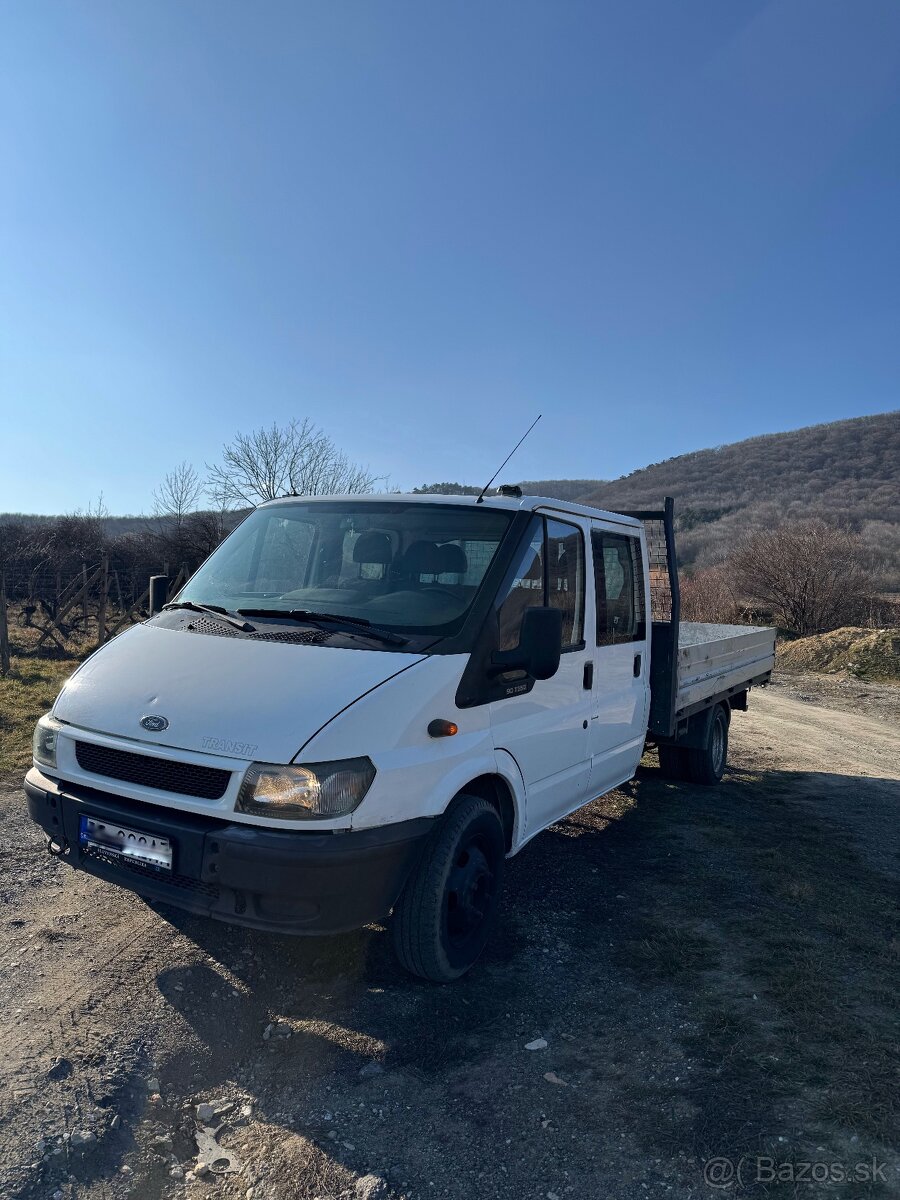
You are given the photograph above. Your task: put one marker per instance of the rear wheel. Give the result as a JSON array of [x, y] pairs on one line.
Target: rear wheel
[[707, 764], [445, 914]]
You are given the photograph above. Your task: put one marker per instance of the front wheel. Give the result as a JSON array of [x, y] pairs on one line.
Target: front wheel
[[445, 914]]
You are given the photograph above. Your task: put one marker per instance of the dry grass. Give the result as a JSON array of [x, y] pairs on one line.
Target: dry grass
[[26, 693], [667, 952], [33, 683]]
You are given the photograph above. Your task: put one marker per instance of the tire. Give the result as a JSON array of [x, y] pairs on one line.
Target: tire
[[447, 909], [673, 761], [707, 765]]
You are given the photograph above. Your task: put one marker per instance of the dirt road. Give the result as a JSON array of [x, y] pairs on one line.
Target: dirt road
[[714, 972]]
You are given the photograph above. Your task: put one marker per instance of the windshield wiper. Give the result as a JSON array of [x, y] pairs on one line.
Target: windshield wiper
[[357, 624], [214, 610]]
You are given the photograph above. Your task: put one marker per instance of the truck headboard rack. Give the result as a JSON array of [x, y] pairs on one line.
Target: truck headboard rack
[[665, 610]]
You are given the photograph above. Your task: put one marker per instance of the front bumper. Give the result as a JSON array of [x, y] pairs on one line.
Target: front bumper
[[283, 881]]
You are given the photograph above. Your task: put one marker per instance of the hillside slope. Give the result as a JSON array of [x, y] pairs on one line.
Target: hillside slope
[[844, 471]]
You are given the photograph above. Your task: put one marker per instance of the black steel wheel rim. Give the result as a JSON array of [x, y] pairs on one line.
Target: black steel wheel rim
[[471, 887]]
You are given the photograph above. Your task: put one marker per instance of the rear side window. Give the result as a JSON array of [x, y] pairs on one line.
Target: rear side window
[[619, 586], [549, 572]]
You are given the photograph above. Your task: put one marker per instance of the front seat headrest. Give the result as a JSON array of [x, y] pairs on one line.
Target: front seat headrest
[[422, 558], [453, 559], [372, 547]]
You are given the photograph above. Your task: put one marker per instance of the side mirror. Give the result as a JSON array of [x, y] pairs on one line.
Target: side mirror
[[539, 648]]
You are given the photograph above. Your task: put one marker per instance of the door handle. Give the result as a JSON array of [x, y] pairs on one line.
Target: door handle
[[588, 680], [637, 666]]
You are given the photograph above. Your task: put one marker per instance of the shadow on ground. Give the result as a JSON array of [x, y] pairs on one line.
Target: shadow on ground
[[713, 969]]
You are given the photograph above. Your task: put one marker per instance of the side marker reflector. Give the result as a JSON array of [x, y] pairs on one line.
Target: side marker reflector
[[439, 728]]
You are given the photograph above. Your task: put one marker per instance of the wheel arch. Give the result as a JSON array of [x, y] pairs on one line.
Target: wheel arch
[[498, 793]]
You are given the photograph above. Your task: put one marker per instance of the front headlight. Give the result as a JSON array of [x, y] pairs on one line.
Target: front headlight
[[43, 744], [314, 792]]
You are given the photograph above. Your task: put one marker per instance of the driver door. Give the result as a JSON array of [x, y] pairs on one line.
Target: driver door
[[546, 728]]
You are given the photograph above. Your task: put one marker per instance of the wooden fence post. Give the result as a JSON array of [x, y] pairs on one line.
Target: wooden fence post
[[4, 629], [104, 595], [84, 595]]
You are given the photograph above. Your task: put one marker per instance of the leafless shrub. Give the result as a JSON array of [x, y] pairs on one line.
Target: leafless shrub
[[66, 542], [811, 575], [709, 596]]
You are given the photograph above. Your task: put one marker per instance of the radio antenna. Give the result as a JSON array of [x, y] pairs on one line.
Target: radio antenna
[[508, 457]]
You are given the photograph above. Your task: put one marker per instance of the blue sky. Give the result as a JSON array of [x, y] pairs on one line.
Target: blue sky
[[663, 225]]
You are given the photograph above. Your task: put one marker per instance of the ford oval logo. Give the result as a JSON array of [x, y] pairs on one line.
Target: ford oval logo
[[155, 724]]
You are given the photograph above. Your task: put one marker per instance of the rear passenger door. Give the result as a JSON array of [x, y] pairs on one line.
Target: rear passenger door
[[621, 670]]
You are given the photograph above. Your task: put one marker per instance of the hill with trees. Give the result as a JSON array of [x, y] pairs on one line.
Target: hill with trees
[[844, 472]]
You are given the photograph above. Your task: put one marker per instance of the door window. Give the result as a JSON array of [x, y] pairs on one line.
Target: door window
[[565, 579], [619, 585], [549, 572], [526, 589]]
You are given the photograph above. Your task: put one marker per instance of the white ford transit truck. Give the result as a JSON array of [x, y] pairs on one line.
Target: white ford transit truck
[[360, 707]]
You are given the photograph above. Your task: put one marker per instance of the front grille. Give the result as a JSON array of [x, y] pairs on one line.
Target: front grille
[[187, 779], [180, 881]]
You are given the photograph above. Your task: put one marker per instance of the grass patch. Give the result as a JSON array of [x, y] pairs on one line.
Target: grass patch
[[26, 693], [664, 951], [35, 678]]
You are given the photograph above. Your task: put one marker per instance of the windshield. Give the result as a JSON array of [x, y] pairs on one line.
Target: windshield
[[407, 567]]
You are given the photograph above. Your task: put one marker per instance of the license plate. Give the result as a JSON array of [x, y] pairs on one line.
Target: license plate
[[124, 842]]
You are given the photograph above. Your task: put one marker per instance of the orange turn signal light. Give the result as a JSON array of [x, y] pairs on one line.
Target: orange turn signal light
[[440, 728]]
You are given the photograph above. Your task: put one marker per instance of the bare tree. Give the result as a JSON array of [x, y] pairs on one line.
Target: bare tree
[[327, 471], [178, 495], [96, 511], [298, 459], [809, 573]]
